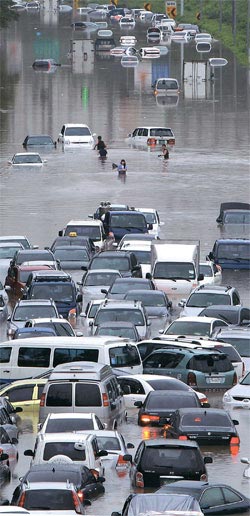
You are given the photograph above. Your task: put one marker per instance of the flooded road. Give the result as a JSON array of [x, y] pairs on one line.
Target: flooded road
[[209, 165]]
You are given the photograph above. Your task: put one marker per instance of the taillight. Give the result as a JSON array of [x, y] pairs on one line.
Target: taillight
[[121, 462], [81, 496], [42, 400], [191, 380], [235, 379], [203, 477], [139, 482], [76, 502], [171, 142], [72, 312], [183, 438], [151, 141], [95, 473], [145, 418], [22, 500], [105, 400], [235, 441], [203, 400]]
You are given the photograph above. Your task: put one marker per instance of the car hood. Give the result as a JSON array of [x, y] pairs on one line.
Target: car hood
[[156, 311]]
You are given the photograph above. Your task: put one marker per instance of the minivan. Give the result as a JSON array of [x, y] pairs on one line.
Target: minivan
[[24, 358], [84, 387], [93, 229]]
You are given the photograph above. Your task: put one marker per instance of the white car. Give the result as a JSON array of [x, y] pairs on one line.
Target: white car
[[89, 314], [136, 387], [212, 273], [203, 37], [77, 133], [152, 217], [142, 251], [27, 158], [194, 326], [8, 445], [70, 422], [95, 281], [152, 136], [66, 447], [113, 442], [239, 395]]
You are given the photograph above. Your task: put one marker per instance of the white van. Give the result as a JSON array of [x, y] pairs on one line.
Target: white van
[[84, 387], [24, 358], [175, 267]]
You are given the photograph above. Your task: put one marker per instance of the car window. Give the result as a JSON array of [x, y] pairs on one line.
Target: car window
[[135, 386], [108, 443], [206, 270], [23, 393], [33, 357], [212, 497], [64, 355], [164, 360], [236, 299], [87, 395], [69, 425], [4, 438], [4, 417], [230, 495], [210, 364], [5, 354], [165, 457], [59, 395], [124, 356], [203, 299], [63, 448]]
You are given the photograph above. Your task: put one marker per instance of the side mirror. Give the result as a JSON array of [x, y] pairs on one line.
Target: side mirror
[[14, 440], [4, 456], [148, 275], [105, 426], [129, 136], [182, 302], [79, 333], [138, 404], [5, 502], [104, 291], [161, 332], [208, 460], [79, 298], [90, 216], [13, 420], [18, 409], [82, 314], [150, 226], [245, 460], [162, 224], [127, 457], [235, 422], [28, 453], [102, 453], [45, 161], [201, 277], [130, 445], [7, 288], [206, 405], [84, 268], [87, 502], [91, 323], [60, 233]]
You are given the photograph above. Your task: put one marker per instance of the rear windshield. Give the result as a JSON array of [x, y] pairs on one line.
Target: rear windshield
[[160, 457], [161, 132], [63, 355], [8, 252], [143, 256], [96, 279], [124, 356], [108, 443], [188, 328], [87, 395], [63, 448], [77, 131], [119, 314], [210, 364], [69, 425], [168, 270], [49, 499], [237, 218], [230, 351], [29, 256], [201, 299], [111, 262], [92, 232], [59, 292], [60, 328], [171, 402], [241, 345], [162, 385], [72, 255], [206, 419], [128, 221], [233, 252]]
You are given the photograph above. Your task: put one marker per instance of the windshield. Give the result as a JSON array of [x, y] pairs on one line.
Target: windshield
[[246, 380], [112, 262], [127, 333], [150, 217], [39, 140], [71, 255], [128, 221], [121, 287], [23, 313], [29, 158], [206, 270], [165, 84], [233, 251], [237, 218], [210, 364], [49, 499], [92, 232], [188, 328], [161, 131], [30, 256], [100, 279], [206, 419], [148, 299], [63, 448], [203, 299], [175, 270], [77, 131], [69, 425], [108, 443], [59, 292], [143, 256], [120, 314], [125, 356]]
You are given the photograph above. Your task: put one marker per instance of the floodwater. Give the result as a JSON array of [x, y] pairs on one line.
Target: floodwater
[[209, 164]]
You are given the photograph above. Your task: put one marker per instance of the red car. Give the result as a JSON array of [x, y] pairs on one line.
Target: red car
[[18, 275]]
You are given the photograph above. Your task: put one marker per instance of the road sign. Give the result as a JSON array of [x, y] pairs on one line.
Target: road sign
[[171, 8]]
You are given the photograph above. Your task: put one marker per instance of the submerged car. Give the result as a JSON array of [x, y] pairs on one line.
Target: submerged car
[[152, 136], [39, 140], [159, 406], [77, 133], [27, 158], [239, 395], [147, 504]]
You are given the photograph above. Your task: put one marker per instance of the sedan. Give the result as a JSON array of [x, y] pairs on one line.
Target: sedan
[[159, 406], [122, 286], [39, 140], [194, 326], [72, 257], [27, 158], [156, 302], [239, 395], [122, 329], [136, 387], [87, 486], [213, 426], [95, 281], [214, 498]]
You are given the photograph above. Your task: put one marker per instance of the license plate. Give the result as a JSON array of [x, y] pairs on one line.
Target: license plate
[[161, 142], [215, 380]]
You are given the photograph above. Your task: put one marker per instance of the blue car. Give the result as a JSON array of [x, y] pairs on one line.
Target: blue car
[[231, 253], [121, 223], [198, 368]]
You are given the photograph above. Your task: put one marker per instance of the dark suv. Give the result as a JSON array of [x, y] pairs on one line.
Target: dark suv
[[123, 261], [56, 285]]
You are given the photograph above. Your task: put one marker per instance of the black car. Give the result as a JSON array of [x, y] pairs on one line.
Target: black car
[[38, 140], [81, 477], [232, 314], [74, 240], [159, 406], [30, 255], [213, 426], [214, 498], [123, 261], [163, 460], [122, 286]]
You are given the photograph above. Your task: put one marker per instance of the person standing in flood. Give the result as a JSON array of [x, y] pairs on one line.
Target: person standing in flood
[[122, 167], [101, 147]]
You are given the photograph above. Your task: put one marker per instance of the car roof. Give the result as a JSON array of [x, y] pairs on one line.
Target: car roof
[[71, 415], [198, 319], [75, 125], [28, 302], [171, 443], [214, 411], [48, 320], [104, 271], [116, 324], [64, 437], [212, 288], [95, 222]]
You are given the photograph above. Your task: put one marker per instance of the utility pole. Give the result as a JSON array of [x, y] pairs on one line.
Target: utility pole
[[220, 23], [234, 21], [182, 8]]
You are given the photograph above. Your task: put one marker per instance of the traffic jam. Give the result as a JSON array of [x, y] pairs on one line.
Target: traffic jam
[[125, 355]]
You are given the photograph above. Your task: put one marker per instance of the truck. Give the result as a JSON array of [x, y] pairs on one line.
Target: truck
[[175, 267]]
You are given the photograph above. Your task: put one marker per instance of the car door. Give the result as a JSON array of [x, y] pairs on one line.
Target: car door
[[22, 396], [134, 391], [212, 501], [135, 464]]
